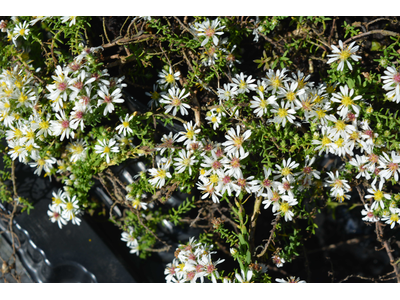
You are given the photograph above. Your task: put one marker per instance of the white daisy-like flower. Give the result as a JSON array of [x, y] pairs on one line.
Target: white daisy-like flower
[[55, 216], [208, 189], [70, 19], [185, 161], [77, 115], [78, 150], [21, 29], [105, 148], [290, 92], [244, 83], [286, 170], [285, 207], [283, 113], [260, 104], [291, 279], [17, 150], [209, 30], [155, 97], [41, 163], [128, 236], [190, 134], [245, 184], [324, 143], [343, 54], [265, 184], [319, 112], [338, 186], [378, 195], [167, 142], [228, 92], [168, 79], [345, 100], [124, 126], [301, 80], [135, 201], [361, 162], [275, 80], [134, 247], [71, 206], [109, 99], [369, 214], [226, 184], [58, 200], [160, 174], [340, 129], [341, 147], [273, 199], [393, 218], [391, 83], [62, 126], [232, 164], [278, 261], [174, 101], [215, 120], [234, 143], [308, 172], [244, 278], [389, 166], [212, 163]]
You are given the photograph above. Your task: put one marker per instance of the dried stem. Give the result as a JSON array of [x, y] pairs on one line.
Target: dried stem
[[386, 245], [274, 223], [377, 31]]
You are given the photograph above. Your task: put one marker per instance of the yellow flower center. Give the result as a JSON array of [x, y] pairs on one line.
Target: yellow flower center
[[186, 162], [107, 149], [275, 82], [394, 218], [69, 206], [345, 54], [290, 96], [30, 135], [44, 124], [282, 112], [18, 133], [170, 78], [190, 134], [155, 95], [214, 178], [263, 104], [57, 201], [339, 142], [285, 207], [161, 173], [378, 195], [125, 124], [318, 99], [340, 125], [22, 31], [41, 162], [285, 171], [346, 101]]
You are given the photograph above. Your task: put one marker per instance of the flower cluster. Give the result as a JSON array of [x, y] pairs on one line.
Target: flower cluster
[[193, 262]]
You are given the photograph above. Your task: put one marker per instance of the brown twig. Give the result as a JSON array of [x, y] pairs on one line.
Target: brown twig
[[386, 245], [151, 232], [274, 223], [377, 31]]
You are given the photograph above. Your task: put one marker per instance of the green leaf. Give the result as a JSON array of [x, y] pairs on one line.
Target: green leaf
[[375, 46]]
